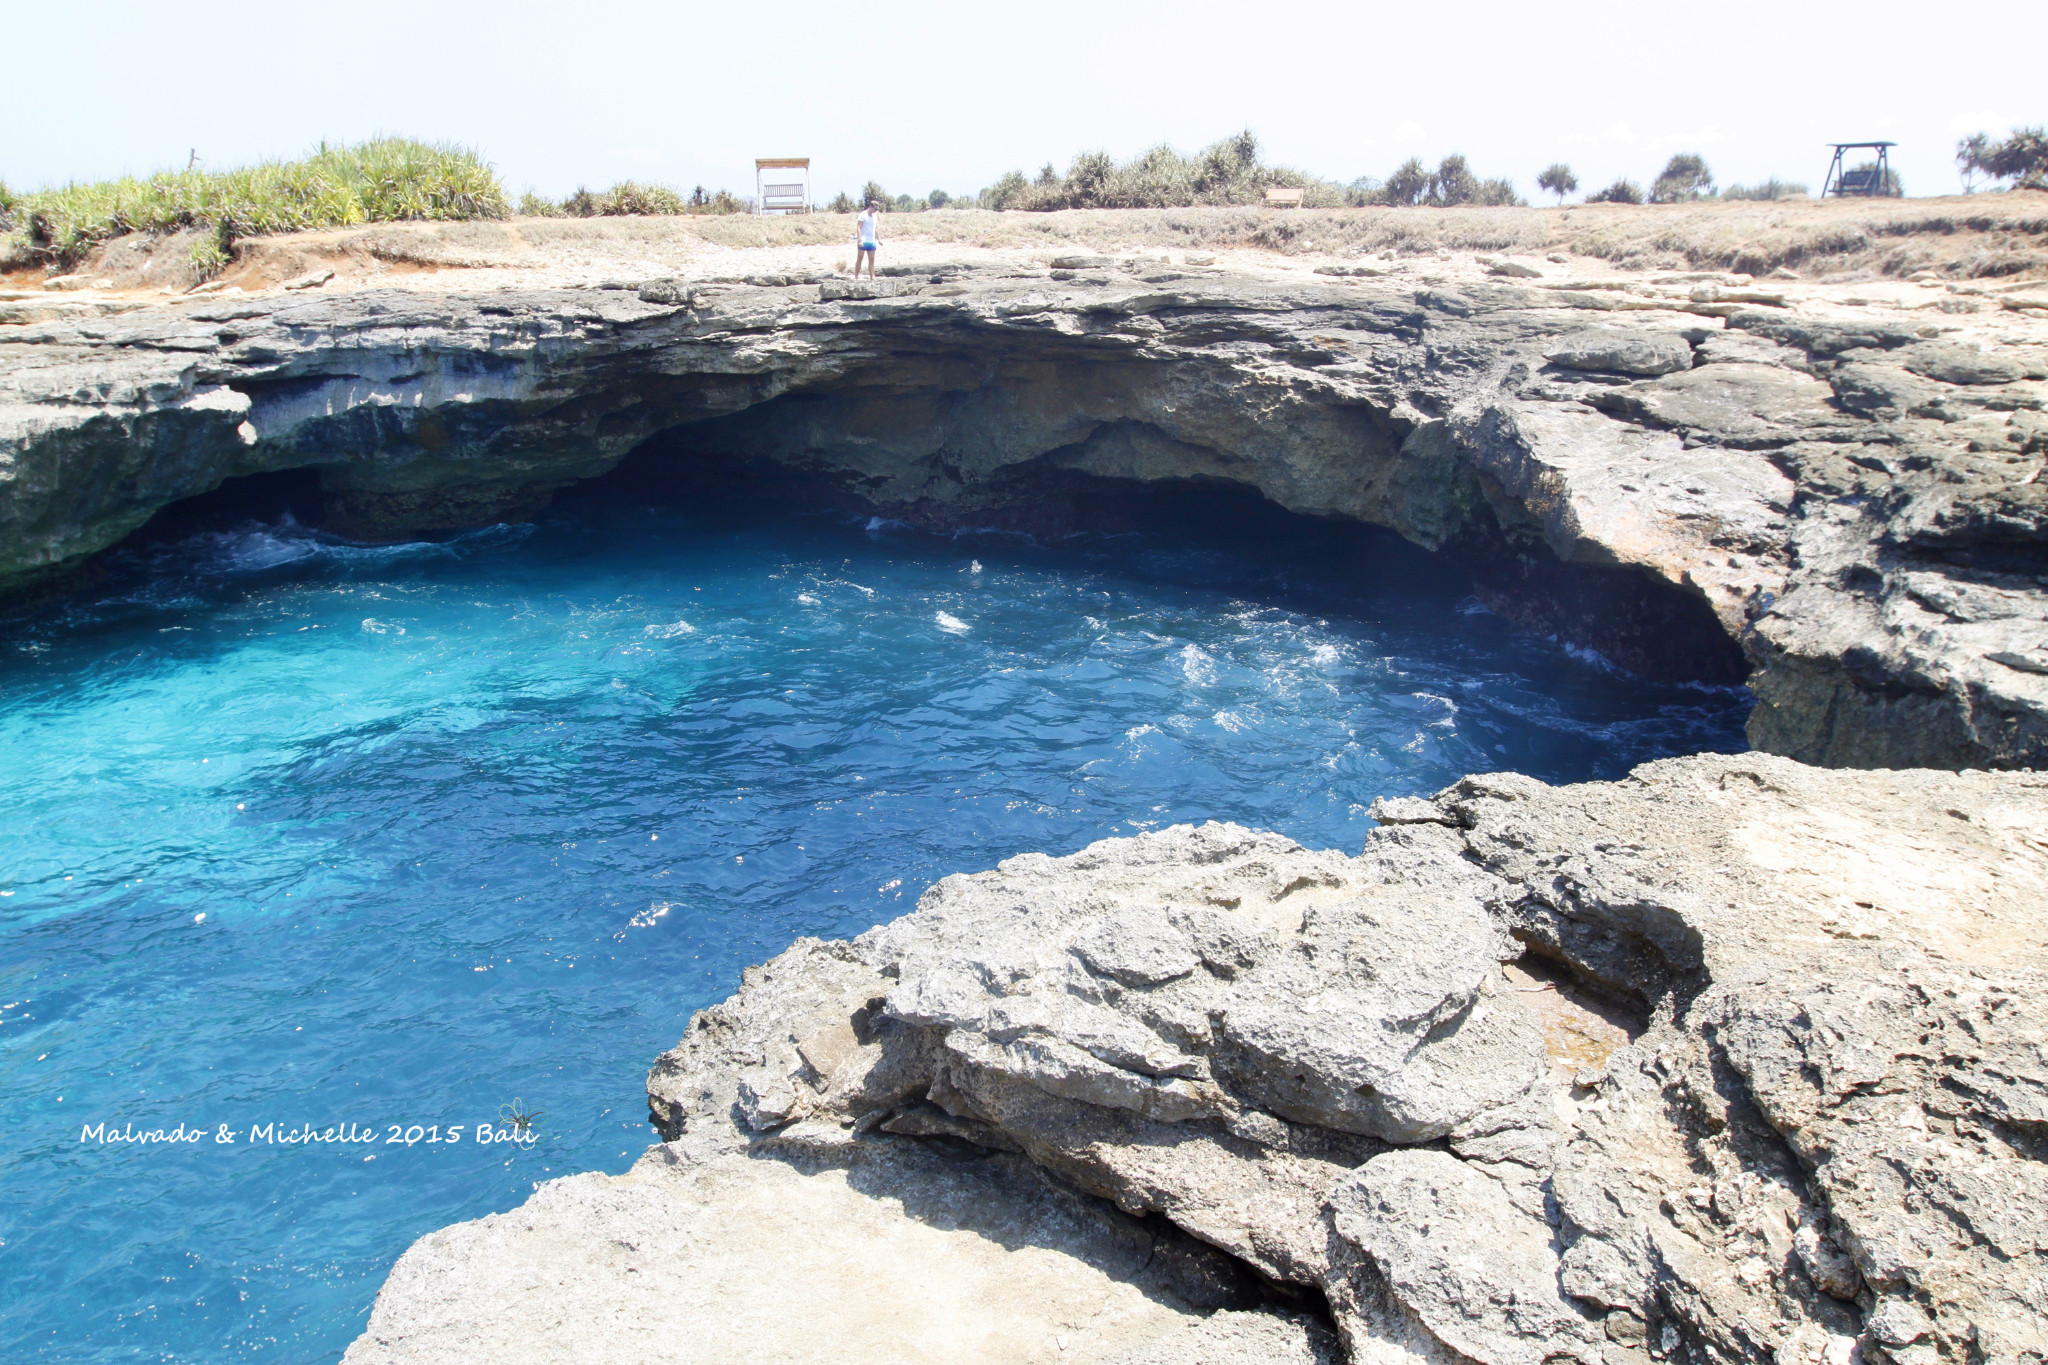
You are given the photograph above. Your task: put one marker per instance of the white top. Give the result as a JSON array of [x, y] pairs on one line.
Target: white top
[[866, 222]]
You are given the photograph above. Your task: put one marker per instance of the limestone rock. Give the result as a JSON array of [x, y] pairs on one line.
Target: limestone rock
[[1617, 351], [834, 291], [1479, 1273], [890, 1254], [1760, 500], [1815, 1130]]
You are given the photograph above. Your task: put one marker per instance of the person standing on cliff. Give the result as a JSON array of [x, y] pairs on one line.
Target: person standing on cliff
[[865, 240]]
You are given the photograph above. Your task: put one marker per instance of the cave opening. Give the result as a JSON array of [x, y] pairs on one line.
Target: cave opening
[[1636, 622]]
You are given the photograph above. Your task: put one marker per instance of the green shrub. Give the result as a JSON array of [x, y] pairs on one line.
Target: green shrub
[[534, 205], [1497, 193], [1684, 177], [1227, 172], [1622, 191], [1007, 193], [1773, 188], [1892, 185], [383, 180], [211, 255], [630, 198], [842, 204]]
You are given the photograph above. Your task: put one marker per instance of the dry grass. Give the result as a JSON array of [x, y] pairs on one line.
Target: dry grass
[[1987, 235], [1965, 237]]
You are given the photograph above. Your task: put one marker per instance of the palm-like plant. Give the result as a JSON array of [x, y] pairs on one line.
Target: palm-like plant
[[1557, 179]]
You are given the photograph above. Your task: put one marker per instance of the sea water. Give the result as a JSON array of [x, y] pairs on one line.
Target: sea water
[[329, 860]]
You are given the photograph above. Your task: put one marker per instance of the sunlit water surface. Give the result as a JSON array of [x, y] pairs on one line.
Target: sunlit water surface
[[297, 833]]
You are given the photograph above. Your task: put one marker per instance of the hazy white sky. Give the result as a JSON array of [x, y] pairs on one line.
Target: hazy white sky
[[924, 95]]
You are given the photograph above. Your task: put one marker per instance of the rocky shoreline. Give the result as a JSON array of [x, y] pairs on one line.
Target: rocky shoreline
[[1739, 1059], [1733, 1060], [1701, 476]]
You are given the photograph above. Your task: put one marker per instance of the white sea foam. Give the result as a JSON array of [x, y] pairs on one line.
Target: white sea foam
[[1199, 667], [952, 624], [671, 631], [376, 627]]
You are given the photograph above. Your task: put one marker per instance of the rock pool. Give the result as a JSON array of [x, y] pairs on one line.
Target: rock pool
[[309, 835]]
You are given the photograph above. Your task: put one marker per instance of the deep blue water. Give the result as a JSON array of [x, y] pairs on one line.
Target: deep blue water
[[487, 819]]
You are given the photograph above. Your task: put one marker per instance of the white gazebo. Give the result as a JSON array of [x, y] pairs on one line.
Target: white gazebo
[[786, 193]]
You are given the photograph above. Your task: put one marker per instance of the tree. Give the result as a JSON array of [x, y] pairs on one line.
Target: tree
[[841, 204], [1684, 177], [939, 199], [871, 193], [1408, 184], [1048, 175], [1970, 156], [2021, 158], [1453, 182], [1557, 179]]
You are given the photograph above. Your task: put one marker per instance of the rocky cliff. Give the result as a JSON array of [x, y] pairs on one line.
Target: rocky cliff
[[1735, 1060], [1698, 475]]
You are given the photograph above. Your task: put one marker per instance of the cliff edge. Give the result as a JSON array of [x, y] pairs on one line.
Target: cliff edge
[[1832, 489], [1733, 1060]]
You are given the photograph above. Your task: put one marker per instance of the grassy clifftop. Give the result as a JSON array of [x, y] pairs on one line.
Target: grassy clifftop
[[383, 180]]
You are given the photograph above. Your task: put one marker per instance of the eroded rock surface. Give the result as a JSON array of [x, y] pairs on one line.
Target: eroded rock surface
[[1735, 1060], [887, 1255], [1847, 500]]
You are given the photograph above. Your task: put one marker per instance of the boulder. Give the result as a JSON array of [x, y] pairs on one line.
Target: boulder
[[1613, 350]]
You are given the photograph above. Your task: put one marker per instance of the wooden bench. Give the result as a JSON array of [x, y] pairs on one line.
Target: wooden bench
[[1285, 197]]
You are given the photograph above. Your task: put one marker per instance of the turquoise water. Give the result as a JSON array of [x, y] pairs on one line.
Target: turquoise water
[[298, 833]]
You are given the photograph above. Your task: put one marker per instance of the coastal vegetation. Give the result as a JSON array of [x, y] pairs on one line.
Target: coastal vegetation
[[1231, 171], [1622, 191], [1558, 179], [1767, 190], [1684, 177], [630, 198], [383, 180], [2021, 158]]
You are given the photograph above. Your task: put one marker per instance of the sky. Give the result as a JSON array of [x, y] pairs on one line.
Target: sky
[[921, 96]]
